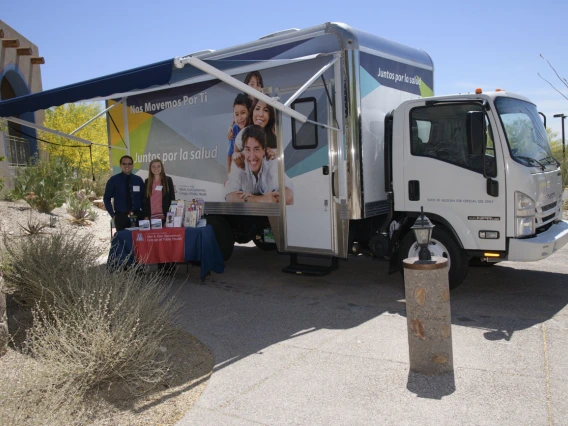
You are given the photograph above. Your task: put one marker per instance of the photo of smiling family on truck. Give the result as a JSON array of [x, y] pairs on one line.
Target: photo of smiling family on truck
[[193, 152], [251, 156]]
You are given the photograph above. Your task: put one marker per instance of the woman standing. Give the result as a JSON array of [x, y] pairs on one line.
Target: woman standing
[[158, 196], [159, 192]]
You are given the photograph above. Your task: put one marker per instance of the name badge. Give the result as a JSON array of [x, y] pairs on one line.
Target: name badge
[[136, 188], [158, 187]]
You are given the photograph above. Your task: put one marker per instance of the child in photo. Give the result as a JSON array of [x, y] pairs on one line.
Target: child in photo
[[253, 79], [241, 107]]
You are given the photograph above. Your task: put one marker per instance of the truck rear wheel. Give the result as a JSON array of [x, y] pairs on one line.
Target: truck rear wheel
[[223, 234], [442, 244]]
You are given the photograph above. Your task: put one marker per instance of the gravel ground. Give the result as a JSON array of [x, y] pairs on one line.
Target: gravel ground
[[16, 215]]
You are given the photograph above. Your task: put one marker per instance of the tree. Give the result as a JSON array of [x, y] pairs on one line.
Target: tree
[[563, 80], [67, 118], [555, 144]]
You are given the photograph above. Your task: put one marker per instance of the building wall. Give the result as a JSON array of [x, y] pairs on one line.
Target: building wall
[[18, 76]]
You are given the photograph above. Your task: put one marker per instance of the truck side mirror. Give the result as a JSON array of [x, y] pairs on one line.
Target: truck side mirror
[[475, 132]]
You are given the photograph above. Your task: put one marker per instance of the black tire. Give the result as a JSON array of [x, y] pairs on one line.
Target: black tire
[[443, 244], [223, 234], [264, 246]]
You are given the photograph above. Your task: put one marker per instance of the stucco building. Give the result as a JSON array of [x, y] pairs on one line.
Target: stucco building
[[20, 74]]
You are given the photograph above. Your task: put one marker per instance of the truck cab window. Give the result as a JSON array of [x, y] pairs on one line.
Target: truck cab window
[[440, 132]]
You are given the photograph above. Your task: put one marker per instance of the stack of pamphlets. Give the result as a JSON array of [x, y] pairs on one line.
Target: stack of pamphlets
[[144, 225], [193, 212], [156, 223], [174, 218]]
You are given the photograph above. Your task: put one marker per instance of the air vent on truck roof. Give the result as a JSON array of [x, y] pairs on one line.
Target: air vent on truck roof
[[279, 33]]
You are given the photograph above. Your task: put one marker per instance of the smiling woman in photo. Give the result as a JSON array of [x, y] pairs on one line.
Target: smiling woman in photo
[[263, 115]]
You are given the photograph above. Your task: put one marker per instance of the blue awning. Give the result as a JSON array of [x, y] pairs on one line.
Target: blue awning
[[135, 79]]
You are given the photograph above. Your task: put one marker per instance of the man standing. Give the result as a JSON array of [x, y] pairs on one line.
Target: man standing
[[127, 191]]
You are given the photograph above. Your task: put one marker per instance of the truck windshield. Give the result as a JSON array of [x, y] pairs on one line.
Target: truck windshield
[[526, 135]]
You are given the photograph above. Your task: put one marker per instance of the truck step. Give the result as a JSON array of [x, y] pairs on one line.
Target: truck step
[[309, 269]]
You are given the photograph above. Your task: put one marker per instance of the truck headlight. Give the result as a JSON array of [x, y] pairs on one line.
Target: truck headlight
[[524, 215]]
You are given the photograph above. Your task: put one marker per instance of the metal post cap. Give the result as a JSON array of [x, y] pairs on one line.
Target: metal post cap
[[437, 263]]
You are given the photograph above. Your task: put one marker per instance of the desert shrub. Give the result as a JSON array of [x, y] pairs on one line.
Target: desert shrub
[[33, 226], [10, 196], [35, 266], [29, 397], [93, 185], [101, 181], [106, 329], [44, 184], [80, 209], [93, 215]]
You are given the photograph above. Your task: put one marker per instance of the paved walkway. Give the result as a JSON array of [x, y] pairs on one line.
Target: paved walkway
[[293, 350]]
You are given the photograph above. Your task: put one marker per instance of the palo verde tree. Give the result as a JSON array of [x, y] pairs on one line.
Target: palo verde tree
[[67, 118]]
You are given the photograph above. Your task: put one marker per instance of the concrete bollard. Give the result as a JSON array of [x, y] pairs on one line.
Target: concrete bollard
[[4, 336], [428, 316]]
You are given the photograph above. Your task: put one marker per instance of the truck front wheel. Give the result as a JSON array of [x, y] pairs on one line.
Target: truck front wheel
[[442, 244]]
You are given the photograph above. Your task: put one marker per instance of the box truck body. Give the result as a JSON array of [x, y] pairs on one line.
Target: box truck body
[[352, 146]]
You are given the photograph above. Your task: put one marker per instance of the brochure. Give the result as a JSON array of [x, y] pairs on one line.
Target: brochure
[[170, 220], [156, 223], [144, 225]]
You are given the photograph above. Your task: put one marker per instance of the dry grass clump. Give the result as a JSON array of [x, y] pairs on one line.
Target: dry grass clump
[[93, 331], [105, 329], [29, 398], [37, 265]]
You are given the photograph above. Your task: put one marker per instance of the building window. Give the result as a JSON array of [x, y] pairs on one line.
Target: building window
[[17, 150]]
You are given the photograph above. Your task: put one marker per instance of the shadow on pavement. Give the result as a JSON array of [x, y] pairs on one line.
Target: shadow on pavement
[[431, 387], [253, 305]]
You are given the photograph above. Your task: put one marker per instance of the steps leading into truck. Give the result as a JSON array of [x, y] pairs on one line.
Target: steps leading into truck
[[316, 269]]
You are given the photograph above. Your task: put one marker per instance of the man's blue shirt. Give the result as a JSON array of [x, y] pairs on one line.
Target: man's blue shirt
[[116, 190]]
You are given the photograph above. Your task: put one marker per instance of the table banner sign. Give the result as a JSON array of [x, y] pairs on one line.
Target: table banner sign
[[159, 246]]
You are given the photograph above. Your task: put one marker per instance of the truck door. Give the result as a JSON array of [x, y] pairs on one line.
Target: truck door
[[309, 221], [452, 179]]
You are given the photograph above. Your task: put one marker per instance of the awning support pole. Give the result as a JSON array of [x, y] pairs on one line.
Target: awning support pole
[[55, 132], [126, 131], [94, 118], [309, 82], [199, 64]]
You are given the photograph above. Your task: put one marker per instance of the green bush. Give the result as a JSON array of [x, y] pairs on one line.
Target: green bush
[[80, 209], [90, 186], [44, 184], [10, 196]]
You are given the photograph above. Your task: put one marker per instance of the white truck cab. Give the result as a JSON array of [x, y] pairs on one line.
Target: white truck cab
[[481, 167]]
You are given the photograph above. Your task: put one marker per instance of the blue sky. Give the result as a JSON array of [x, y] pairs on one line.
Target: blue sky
[[487, 44]]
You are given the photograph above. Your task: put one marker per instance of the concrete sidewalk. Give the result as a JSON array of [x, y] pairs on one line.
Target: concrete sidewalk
[[333, 350]]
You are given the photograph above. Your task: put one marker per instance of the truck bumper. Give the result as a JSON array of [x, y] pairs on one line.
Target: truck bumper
[[541, 246]]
